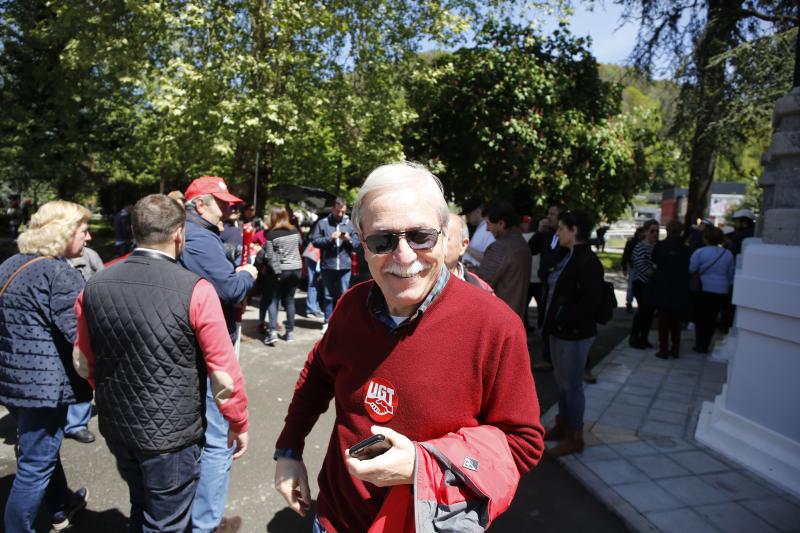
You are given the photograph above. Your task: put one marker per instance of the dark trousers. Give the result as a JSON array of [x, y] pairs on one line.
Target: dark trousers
[[708, 306], [728, 312], [161, 486], [283, 293], [40, 475], [669, 328], [643, 318]]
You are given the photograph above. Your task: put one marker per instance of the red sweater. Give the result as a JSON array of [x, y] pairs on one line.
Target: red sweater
[[464, 363]]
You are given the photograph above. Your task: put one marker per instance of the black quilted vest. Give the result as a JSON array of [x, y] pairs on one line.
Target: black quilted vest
[[149, 372]]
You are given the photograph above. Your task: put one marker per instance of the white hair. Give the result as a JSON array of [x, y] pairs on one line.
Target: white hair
[[400, 175], [462, 227]]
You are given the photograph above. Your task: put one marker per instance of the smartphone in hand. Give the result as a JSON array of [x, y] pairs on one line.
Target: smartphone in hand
[[370, 447]]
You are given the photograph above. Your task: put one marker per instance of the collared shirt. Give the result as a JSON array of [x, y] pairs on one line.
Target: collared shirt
[[154, 251], [376, 303]]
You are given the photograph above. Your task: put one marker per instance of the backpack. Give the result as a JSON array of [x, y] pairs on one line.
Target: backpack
[[608, 302]]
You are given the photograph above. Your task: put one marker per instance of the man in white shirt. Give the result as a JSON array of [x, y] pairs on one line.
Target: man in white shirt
[[480, 240]]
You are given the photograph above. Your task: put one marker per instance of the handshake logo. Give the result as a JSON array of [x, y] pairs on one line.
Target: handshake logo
[[380, 400]]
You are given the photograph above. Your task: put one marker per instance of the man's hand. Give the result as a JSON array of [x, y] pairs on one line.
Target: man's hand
[[345, 236], [291, 482], [250, 269], [336, 234], [395, 467], [241, 440]]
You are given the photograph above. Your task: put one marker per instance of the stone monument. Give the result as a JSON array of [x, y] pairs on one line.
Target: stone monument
[[755, 421]]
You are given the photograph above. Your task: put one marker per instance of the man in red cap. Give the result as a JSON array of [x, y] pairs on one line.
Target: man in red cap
[[207, 203]]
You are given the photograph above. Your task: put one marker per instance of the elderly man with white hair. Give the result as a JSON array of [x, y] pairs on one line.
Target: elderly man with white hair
[[450, 393]]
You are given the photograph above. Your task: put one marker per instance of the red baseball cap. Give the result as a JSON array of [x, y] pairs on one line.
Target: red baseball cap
[[213, 185]]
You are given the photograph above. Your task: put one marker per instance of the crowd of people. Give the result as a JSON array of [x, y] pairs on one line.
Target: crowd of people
[[153, 338], [686, 278]]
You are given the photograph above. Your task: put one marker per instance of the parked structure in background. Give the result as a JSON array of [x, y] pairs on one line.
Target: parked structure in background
[[723, 199]]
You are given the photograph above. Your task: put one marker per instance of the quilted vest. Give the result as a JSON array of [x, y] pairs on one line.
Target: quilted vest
[[149, 372]]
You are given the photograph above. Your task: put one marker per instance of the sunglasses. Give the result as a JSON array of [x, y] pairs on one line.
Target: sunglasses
[[385, 242]]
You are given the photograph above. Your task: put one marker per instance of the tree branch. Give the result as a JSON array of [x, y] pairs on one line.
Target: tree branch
[[768, 18]]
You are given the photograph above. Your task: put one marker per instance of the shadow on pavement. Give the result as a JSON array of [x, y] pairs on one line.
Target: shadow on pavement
[[287, 521], [87, 521]]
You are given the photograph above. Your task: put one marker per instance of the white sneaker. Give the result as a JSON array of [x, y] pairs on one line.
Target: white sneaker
[[324, 328]]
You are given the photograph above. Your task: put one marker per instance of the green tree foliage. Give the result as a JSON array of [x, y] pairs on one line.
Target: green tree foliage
[[156, 92], [526, 117], [653, 103], [721, 52]]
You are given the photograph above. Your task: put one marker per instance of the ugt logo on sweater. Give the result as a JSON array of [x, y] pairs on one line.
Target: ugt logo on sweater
[[380, 400]]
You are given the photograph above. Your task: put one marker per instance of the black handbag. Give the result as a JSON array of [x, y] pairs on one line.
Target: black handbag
[[696, 279]]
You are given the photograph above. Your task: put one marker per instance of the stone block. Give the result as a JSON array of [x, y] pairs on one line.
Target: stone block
[[731, 517], [699, 462], [692, 490], [617, 471], [779, 513], [658, 466], [678, 521], [646, 496]]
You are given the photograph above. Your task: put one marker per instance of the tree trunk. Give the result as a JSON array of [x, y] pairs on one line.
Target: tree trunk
[[720, 25]]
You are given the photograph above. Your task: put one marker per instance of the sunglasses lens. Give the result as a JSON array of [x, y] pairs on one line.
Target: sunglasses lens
[[381, 243], [422, 239]]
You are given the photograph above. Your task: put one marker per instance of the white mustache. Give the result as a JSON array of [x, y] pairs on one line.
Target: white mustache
[[406, 271]]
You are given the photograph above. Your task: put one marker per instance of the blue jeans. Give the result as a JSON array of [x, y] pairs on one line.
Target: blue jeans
[[161, 486], [215, 469], [40, 475], [569, 360], [284, 294], [312, 301], [317, 527], [336, 283], [78, 416]]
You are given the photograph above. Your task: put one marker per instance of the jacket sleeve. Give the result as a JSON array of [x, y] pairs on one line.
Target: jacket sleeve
[[509, 400], [320, 239], [312, 396], [208, 260], [66, 286], [272, 257], [227, 382], [590, 280], [493, 263]]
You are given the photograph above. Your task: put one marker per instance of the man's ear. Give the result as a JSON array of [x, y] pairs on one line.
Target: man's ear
[[177, 235]]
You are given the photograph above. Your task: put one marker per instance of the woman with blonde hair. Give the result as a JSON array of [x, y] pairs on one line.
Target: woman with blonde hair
[[38, 289], [284, 264]]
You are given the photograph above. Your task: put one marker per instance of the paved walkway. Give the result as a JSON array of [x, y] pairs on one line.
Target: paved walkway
[[641, 458]]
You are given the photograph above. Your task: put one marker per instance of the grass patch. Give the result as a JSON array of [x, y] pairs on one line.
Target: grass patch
[[610, 260]]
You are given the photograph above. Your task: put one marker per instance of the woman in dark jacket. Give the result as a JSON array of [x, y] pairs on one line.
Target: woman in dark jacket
[[37, 379], [573, 300], [670, 289]]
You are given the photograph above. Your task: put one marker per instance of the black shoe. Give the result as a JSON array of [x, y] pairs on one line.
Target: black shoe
[[77, 503], [589, 378], [629, 308], [663, 355], [636, 344], [696, 349], [82, 435]]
